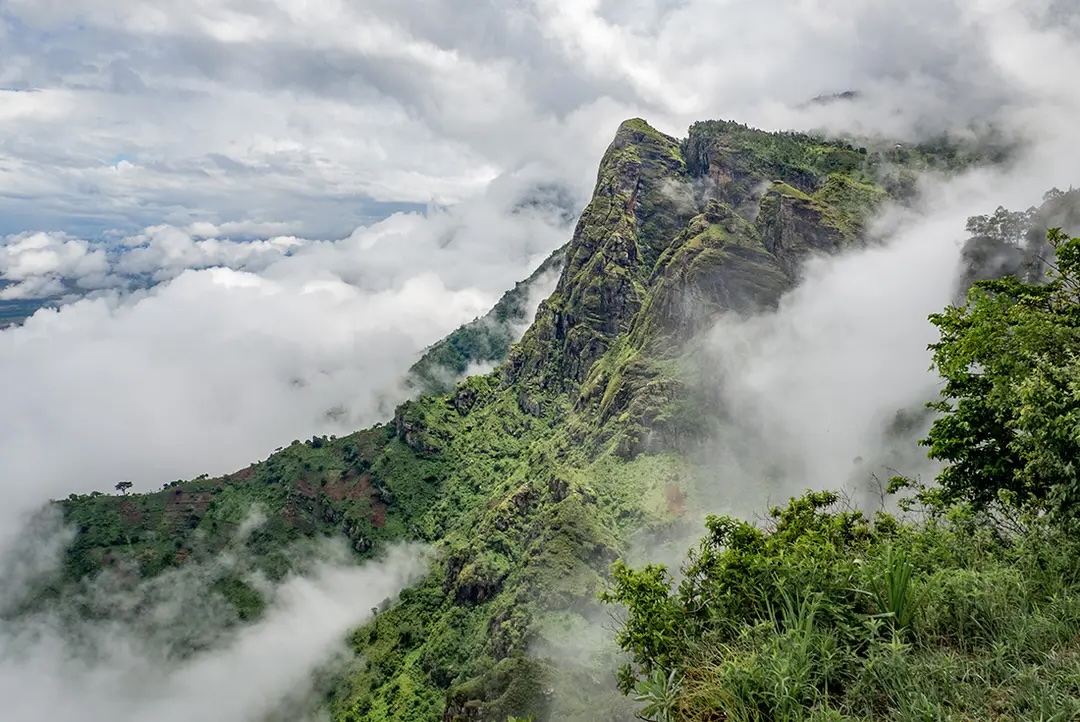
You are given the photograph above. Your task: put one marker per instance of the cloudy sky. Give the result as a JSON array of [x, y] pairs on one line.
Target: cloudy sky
[[311, 118]]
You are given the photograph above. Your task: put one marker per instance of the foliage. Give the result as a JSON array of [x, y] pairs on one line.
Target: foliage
[[1010, 405], [897, 598], [1003, 225], [825, 614], [659, 694]]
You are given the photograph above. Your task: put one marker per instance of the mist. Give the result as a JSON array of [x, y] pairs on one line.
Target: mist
[[170, 648], [809, 391]]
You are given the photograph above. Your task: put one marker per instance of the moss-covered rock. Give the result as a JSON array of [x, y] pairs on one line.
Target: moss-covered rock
[[632, 217], [794, 225]]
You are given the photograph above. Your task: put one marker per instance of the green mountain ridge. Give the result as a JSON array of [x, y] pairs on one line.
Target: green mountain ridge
[[484, 340], [532, 479]]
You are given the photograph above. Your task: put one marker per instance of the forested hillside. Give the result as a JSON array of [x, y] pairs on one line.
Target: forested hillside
[[532, 480]]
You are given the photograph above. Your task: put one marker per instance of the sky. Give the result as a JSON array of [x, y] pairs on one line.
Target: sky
[[259, 212], [314, 117]]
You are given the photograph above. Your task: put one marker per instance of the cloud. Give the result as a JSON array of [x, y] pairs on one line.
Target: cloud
[[810, 389], [35, 264], [137, 662], [317, 114], [237, 347]]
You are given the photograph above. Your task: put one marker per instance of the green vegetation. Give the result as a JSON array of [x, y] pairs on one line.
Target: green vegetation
[[531, 480], [828, 615], [485, 340], [1011, 405], [967, 609], [321, 487]]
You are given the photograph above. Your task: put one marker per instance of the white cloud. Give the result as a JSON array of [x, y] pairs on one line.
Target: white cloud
[[307, 113], [42, 254], [112, 670], [206, 373], [212, 368]]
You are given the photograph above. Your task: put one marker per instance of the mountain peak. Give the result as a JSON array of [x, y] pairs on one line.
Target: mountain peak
[[640, 201], [632, 126]]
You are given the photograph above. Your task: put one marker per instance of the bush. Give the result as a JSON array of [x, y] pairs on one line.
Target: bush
[[826, 615]]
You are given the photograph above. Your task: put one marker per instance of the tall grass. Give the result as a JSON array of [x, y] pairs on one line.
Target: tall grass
[[927, 622], [897, 600]]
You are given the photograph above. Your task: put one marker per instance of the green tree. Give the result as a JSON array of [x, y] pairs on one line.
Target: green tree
[[1010, 406], [1004, 225]]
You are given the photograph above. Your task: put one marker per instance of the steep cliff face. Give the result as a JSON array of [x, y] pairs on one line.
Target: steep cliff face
[[752, 207], [530, 480], [638, 205]]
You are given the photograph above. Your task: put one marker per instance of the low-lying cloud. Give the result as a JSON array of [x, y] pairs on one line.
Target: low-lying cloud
[[237, 347], [810, 390], [138, 664]]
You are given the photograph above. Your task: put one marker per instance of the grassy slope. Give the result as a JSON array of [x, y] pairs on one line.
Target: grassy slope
[[529, 479], [827, 615]]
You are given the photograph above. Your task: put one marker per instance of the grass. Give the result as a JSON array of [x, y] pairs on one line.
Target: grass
[[834, 617]]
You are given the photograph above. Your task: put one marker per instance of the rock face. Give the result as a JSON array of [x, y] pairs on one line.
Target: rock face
[[793, 226], [678, 233], [719, 222], [635, 211]]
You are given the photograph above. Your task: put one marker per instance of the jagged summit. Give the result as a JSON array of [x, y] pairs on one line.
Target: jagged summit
[[721, 219], [677, 232], [638, 204]]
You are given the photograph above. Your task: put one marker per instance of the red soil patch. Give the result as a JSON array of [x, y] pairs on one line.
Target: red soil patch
[[242, 474], [348, 489], [676, 501], [305, 488], [378, 514], [130, 513], [290, 514]]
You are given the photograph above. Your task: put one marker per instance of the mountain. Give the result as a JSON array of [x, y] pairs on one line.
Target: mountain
[[531, 479], [485, 340]]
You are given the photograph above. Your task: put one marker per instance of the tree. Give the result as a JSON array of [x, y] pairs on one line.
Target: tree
[[123, 486], [1010, 359], [1004, 225]]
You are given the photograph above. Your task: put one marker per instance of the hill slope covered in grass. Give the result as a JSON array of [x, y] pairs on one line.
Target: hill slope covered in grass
[[531, 480]]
